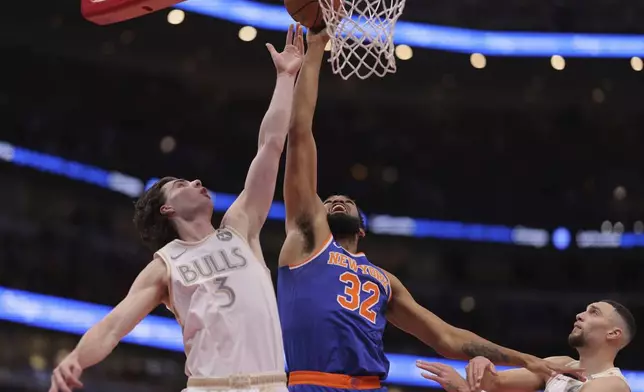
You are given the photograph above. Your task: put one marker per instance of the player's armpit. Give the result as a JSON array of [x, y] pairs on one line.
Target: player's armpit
[[605, 384], [147, 292]]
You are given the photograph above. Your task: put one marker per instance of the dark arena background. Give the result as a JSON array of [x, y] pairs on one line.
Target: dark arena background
[[505, 191]]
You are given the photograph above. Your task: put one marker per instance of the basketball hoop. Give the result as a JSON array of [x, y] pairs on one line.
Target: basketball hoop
[[361, 34]]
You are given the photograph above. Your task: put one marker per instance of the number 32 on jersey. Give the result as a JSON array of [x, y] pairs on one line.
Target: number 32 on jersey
[[351, 298]]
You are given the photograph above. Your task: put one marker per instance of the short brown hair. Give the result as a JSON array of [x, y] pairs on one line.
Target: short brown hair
[[627, 316], [155, 229]]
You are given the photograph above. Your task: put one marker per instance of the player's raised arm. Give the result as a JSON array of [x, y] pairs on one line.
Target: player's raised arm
[[304, 209], [248, 214], [456, 343], [147, 292]]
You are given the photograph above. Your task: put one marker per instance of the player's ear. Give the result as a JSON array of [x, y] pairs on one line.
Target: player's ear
[[166, 210], [614, 334], [362, 233]]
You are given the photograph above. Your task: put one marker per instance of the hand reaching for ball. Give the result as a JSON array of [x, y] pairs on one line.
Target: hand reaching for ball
[[317, 38], [289, 61]]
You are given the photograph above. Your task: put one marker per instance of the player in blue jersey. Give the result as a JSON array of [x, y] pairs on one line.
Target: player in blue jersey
[[333, 303]]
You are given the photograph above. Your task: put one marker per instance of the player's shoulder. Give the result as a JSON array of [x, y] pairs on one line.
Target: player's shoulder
[[602, 384], [394, 282], [156, 271]]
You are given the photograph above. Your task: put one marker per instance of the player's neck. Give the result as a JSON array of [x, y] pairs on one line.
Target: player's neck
[[194, 230], [596, 360], [349, 244]]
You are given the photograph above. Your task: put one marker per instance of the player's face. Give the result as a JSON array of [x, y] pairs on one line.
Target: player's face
[[184, 198], [592, 326], [341, 205], [343, 216]]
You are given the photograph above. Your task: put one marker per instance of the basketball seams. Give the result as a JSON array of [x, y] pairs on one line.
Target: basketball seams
[[294, 14]]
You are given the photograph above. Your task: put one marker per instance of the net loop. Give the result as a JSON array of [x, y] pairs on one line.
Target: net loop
[[361, 34]]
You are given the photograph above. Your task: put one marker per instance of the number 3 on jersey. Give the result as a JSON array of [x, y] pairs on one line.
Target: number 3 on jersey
[[351, 298]]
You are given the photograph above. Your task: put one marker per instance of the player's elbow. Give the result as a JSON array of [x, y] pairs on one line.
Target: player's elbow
[[274, 144], [302, 120]]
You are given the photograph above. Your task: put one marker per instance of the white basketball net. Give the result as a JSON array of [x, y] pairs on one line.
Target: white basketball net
[[361, 34]]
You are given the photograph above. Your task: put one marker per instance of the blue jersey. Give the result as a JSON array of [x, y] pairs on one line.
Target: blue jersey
[[332, 310]]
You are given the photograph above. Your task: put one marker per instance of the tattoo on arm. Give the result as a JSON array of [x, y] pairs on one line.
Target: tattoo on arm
[[473, 349]]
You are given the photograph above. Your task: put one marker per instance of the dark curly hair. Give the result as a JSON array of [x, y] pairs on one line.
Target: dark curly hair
[[155, 229]]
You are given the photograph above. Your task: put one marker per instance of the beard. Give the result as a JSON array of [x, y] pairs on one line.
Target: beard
[[343, 225], [576, 340]]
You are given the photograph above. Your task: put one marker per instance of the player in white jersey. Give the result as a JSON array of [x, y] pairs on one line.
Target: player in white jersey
[[599, 333], [215, 281]]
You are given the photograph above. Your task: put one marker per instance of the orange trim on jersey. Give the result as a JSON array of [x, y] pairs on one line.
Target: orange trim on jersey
[[330, 380], [313, 255]]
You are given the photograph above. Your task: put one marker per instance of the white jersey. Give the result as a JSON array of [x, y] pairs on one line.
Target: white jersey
[[223, 298], [561, 383]]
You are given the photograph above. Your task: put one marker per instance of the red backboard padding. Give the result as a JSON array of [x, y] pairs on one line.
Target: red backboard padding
[[105, 12]]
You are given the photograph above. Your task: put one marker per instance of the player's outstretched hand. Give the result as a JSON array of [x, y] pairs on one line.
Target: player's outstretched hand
[[66, 376], [550, 369], [317, 38], [476, 369], [289, 61], [445, 375]]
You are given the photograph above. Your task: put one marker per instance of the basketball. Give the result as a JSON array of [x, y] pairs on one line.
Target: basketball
[[308, 12]]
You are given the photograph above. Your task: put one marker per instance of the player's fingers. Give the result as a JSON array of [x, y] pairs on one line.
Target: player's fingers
[[77, 370], [573, 372], [289, 35], [60, 382], [53, 388], [430, 367], [430, 376], [271, 49], [69, 378], [492, 369], [471, 376], [478, 375], [300, 39]]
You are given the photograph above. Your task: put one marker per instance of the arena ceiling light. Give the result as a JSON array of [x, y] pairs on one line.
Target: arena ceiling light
[[478, 60], [247, 33], [454, 39], [176, 17]]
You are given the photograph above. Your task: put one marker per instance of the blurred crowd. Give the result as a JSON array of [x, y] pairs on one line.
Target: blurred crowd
[[542, 164], [516, 143]]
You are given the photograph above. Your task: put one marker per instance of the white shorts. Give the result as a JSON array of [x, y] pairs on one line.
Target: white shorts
[[266, 382], [262, 388]]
